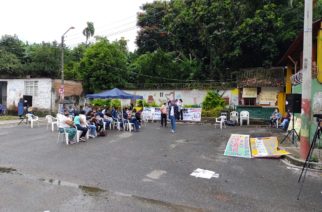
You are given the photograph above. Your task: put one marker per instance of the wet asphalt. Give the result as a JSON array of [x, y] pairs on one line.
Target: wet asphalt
[[145, 171]]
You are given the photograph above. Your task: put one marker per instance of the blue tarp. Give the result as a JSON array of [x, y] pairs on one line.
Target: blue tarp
[[115, 93]]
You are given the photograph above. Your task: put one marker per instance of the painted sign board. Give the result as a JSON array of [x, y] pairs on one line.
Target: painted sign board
[[266, 147], [238, 146]]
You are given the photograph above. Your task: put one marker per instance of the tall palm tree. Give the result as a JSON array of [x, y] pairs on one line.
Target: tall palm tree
[[89, 31]]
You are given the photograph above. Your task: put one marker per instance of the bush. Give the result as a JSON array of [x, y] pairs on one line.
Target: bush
[[143, 103], [214, 112], [116, 103], [191, 106], [101, 102], [213, 100]]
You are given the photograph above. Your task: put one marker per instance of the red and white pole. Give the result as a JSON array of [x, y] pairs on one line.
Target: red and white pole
[[307, 80]]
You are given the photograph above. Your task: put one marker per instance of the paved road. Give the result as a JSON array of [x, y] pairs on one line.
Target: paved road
[[145, 171]]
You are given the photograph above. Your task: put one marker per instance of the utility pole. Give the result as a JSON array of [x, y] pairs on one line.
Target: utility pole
[[62, 89], [307, 80]]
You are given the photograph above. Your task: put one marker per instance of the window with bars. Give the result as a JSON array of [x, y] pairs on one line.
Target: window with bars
[[31, 88]]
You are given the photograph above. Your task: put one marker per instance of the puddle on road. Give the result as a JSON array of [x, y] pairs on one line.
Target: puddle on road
[[172, 206], [91, 191], [7, 170], [87, 190]]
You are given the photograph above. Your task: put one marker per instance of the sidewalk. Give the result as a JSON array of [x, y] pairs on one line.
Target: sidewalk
[[4, 123], [294, 149]]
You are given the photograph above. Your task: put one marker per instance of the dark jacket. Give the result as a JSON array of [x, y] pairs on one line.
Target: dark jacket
[[176, 110]]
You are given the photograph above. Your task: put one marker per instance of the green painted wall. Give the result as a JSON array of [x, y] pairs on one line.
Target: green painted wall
[[257, 112], [316, 88]]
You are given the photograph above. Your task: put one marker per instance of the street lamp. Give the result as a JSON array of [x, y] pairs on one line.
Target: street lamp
[[62, 90]]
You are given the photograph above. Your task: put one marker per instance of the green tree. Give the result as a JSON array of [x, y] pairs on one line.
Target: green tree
[[153, 34], [103, 66], [72, 61], [13, 45], [43, 60], [9, 64], [89, 31], [163, 67]]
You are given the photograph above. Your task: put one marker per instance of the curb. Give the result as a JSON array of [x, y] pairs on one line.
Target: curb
[[299, 163]]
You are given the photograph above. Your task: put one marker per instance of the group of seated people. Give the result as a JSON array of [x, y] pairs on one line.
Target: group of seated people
[[276, 117], [94, 120]]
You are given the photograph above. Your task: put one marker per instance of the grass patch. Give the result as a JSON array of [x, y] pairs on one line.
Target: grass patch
[[6, 118]]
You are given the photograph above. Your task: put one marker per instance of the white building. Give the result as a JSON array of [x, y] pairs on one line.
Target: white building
[[44, 92]]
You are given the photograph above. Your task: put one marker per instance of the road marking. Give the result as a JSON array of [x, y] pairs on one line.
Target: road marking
[[172, 146], [156, 174], [147, 180], [181, 141], [202, 173]]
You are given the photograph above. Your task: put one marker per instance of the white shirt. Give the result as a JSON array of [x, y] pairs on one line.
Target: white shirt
[[172, 111], [62, 121]]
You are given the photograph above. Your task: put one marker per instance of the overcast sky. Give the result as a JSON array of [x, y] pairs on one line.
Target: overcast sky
[[47, 20]]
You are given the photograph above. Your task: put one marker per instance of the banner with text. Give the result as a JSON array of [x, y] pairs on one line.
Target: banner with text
[[266, 147], [189, 114]]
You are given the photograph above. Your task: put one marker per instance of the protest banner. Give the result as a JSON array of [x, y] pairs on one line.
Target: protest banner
[[189, 114]]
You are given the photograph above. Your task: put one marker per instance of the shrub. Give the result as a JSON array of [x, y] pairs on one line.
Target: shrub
[[213, 100], [213, 112], [101, 102], [143, 103], [116, 103], [191, 106]]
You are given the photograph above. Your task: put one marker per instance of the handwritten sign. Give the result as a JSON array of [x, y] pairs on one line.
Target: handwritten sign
[[266, 147], [249, 92], [238, 146], [267, 97]]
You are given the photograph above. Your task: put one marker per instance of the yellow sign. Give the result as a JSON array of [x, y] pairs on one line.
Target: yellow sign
[[249, 92], [268, 96], [266, 147]]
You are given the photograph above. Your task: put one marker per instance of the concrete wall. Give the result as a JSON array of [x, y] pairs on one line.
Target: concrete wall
[[316, 101], [189, 97], [16, 90]]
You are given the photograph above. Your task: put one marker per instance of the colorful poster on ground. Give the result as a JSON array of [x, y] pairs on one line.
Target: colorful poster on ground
[[238, 146], [266, 147]]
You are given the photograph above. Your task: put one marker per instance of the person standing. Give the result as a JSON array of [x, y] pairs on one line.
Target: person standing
[[173, 110], [180, 108], [163, 110]]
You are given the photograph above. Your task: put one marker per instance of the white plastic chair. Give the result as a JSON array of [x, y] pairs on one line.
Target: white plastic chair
[[234, 116], [31, 118], [79, 133], [128, 126], [116, 124], [61, 130], [104, 125], [221, 121], [64, 133], [244, 115], [51, 121]]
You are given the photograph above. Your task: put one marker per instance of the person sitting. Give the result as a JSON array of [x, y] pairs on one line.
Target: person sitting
[[133, 119], [137, 115], [80, 126], [89, 126], [285, 121], [275, 117], [107, 118], [67, 125]]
